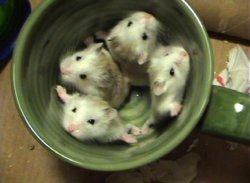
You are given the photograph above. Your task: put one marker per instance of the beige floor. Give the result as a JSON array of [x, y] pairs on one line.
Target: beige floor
[[24, 160]]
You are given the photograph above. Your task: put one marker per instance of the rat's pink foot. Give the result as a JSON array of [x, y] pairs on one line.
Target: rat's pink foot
[[175, 109], [130, 139], [136, 131], [146, 130], [146, 127]]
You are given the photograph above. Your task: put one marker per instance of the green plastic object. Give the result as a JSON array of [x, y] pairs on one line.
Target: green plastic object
[[228, 115]]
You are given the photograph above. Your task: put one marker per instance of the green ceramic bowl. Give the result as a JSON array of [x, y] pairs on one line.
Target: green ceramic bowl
[[57, 24]]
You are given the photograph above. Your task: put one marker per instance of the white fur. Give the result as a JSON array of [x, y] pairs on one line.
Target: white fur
[[103, 77], [129, 49], [78, 109], [166, 90]]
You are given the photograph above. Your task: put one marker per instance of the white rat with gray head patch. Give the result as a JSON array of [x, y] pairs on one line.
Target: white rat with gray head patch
[[93, 71], [168, 72], [88, 117], [131, 43]]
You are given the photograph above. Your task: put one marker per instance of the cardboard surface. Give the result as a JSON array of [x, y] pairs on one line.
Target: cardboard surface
[[231, 17], [24, 160]]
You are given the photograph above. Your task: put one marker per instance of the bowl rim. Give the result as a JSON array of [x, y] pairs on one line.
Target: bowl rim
[[177, 139]]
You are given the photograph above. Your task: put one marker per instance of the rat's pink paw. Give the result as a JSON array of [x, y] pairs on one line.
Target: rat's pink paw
[[146, 131], [130, 139], [60, 90], [136, 131], [176, 109], [146, 127], [143, 58], [62, 93]]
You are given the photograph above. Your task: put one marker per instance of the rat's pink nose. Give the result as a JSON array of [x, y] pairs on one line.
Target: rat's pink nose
[[184, 54], [65, 71], [72, 128]]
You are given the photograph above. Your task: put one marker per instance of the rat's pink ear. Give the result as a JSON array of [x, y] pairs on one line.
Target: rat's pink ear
[[111, 113], [62, 93], [102, 34], [89, 40], [149, 18], [99, 47], [159, 88], [184, 57], [184, 54]]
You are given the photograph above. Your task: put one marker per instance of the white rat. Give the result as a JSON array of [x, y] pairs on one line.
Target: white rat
[[131, 43], [168, 72], [88, 117], [93, 71]]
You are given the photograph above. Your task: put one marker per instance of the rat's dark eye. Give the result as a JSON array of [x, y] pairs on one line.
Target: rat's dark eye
[[129, 131], [78, 58], [167, 54], [144, 36], [129, 23], [171, 72], [91, 121], [83, 76], [74, 110]]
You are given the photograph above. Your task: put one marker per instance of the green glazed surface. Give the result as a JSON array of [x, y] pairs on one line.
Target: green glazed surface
[[56, 25], [228, 115]]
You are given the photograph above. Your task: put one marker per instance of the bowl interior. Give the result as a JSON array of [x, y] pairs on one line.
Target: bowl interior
[[60, 25]]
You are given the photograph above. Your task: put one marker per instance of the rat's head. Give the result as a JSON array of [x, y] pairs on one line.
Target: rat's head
[[84, 67], [85, 117], [137, 31], [169, 66]]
